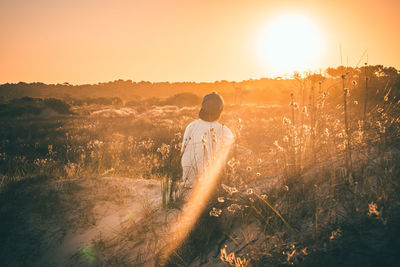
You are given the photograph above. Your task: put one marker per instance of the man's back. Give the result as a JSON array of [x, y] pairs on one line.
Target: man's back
[[201, 142]]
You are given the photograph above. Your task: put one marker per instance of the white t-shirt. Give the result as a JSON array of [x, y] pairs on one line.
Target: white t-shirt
[[201, 142]]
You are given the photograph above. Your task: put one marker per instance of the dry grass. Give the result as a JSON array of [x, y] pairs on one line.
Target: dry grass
[[290, 194]]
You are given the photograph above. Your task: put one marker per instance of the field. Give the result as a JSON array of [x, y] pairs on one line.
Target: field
[[312, 180]]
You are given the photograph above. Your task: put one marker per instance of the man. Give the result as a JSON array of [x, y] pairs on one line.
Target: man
[[203, 140]]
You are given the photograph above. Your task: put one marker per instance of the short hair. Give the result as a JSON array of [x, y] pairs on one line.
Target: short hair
[[211, 107]]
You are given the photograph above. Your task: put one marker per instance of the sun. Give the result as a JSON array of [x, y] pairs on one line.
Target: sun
[[290, 42]]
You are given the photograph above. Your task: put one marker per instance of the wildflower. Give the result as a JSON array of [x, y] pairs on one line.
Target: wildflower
[[251, 199], [215, 212], [304, 110], [221, 199], [259, 161], [380, 110], [258, 174], [248, 168], [354, 83], [264, 196], [355, 102], [250, 191]]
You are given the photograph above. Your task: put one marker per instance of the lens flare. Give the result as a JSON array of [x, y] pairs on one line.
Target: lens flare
[[195, 205]]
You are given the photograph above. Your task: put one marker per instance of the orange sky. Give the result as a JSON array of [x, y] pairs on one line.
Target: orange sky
[[90, 41]]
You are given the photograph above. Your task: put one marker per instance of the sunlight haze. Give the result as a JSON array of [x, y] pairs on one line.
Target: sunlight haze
[[92, 41]]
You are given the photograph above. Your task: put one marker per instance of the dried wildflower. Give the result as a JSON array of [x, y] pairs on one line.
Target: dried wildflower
[[354, 83], [286, 187], [251, 199], [215, 212], [286, 121], [373, 209], [221, 199], [285, 139], [258, 174], [264, 196], [306, 129], [335, 234], [214, 138], [234, 208], [293, 104], [250, 191], [228, 189], [203, 138], [382, 129], [164, 150], [178, 135], [355, 102], [232, 260], [278, 146], [248, 168], [379, 110], [290, 254], [326, 132]]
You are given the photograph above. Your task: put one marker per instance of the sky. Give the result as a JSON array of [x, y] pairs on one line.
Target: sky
[[91, 41]]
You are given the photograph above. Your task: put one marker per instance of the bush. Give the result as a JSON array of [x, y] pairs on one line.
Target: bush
[[183, 99], [33, 106]]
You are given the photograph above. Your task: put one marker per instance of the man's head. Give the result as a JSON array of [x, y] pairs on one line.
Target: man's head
[[211, 107]]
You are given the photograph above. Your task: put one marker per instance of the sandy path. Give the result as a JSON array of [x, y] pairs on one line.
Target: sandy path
[[110, 213]]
